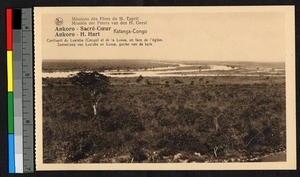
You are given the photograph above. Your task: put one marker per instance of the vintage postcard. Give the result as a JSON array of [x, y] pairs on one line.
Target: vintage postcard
[[165, 88]]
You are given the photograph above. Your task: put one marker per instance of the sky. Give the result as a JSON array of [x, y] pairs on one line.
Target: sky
[[230, 36]]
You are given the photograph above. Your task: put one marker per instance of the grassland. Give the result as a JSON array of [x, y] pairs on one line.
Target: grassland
[[183, 119]]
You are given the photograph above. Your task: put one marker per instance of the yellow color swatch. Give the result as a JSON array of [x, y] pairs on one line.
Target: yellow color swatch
[[9, 71]]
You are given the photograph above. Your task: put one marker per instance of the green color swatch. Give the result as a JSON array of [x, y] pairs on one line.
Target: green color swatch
[[10, 99]]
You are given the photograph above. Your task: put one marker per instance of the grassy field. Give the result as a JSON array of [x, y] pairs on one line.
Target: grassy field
[[183, 119]]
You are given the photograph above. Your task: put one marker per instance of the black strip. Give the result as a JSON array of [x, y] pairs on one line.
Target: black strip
[[17, 19]]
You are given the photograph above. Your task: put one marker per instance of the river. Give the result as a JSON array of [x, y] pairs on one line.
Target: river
[[172, 71], [181, 70]]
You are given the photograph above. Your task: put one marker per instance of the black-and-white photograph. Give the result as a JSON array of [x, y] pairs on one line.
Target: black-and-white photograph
[[153, 111], [214, 93]]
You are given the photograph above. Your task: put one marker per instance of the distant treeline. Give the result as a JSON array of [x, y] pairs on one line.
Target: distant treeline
[[100, 65], [275, 65]]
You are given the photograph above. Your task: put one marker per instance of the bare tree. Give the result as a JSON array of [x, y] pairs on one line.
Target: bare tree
[[216, 122]]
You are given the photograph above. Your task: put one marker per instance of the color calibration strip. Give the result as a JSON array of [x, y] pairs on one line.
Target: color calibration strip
[[17, 83], [20, 90], [10, 97]]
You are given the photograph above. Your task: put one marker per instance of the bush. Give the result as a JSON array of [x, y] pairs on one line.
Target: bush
[[80, 144], [139, 79], [120, 118], [182, 139]]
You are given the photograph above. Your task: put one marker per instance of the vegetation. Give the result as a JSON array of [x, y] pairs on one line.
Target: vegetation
[[183, 119], [93, 85]]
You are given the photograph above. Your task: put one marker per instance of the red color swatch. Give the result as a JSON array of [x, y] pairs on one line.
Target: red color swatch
[[9, 29]]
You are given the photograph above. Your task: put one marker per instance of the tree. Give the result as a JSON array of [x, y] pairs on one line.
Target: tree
[[95, 86], [139, 79]]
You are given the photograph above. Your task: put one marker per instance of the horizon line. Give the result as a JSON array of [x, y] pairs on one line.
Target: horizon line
[[168, 60]]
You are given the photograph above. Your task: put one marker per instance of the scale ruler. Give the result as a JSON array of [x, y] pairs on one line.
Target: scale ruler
[[27, 91], [20, 90]]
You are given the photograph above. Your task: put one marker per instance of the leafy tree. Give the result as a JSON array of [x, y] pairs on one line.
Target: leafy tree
[[139, 79], [95, 86]]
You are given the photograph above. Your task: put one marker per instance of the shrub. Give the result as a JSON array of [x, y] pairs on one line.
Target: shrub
[[179, 139], [121, 118], [177, 81], [79, 145], [167, 83], [139, 79]]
